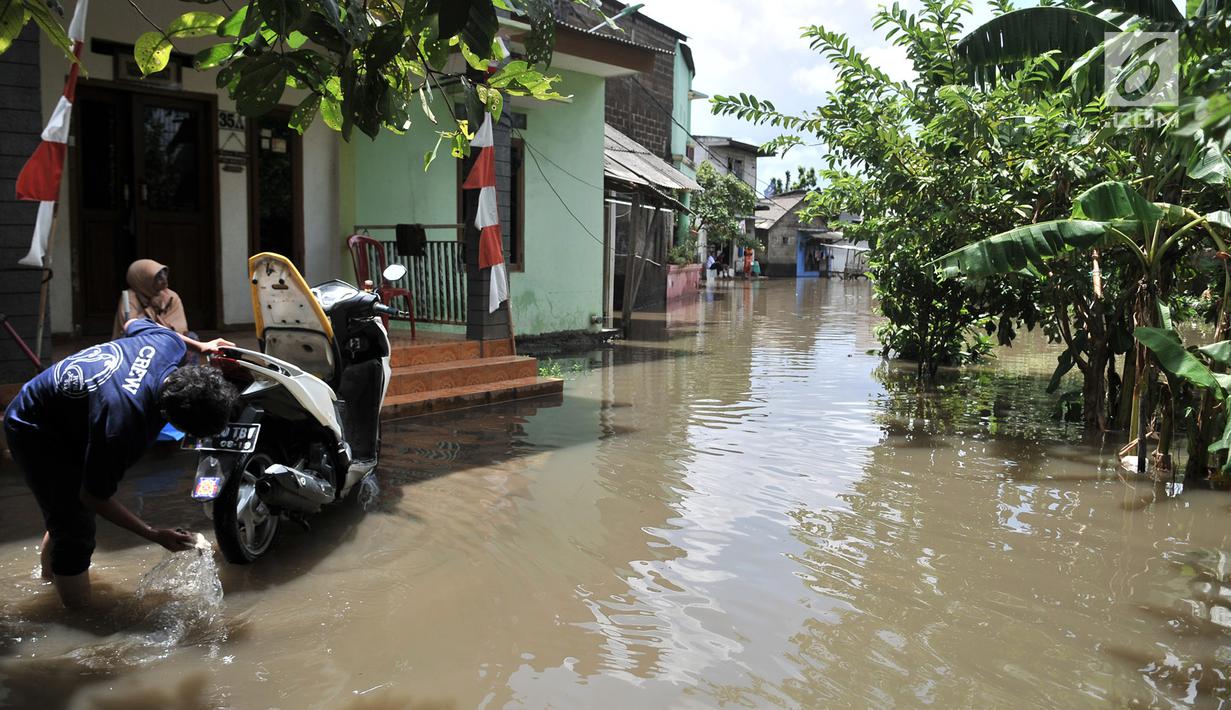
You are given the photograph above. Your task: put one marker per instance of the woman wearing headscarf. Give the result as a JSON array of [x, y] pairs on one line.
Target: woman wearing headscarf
[[148, 296]]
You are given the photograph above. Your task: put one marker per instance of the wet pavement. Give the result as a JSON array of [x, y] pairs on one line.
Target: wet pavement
[[740, 506]]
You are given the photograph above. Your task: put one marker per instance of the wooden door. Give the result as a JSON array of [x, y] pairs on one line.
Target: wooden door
[[144, 190], [174, 213]]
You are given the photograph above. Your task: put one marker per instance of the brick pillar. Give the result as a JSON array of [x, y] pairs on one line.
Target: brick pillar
[[480, 324]]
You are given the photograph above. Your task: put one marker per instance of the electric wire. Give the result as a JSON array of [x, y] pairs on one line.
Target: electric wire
[[555, 192]]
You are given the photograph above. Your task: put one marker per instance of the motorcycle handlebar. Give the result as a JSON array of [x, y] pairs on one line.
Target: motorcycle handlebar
[[389, 311]]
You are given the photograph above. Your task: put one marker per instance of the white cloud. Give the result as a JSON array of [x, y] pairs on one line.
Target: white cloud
[[815, 80], [892, 60]]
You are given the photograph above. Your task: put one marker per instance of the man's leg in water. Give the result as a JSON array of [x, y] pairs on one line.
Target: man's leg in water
[[74, 589], [68, 543]]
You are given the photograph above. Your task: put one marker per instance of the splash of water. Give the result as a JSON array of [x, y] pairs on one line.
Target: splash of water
[[178, 602]]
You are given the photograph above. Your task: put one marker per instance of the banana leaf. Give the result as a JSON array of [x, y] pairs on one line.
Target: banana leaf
[[1111, 201], [1026, 246], [1222, 218], [1029, 32], [1209, 164], [1176, 359], [1219, 352], [1161, 10]]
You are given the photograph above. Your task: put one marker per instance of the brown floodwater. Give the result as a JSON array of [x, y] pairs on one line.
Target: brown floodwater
[[739, 507]]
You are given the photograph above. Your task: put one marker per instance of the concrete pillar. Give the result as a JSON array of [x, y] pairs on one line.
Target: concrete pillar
[[480, 324]]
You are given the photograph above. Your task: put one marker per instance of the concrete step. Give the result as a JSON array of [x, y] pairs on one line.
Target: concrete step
[[460, 373], [416, 403], [407, 353]]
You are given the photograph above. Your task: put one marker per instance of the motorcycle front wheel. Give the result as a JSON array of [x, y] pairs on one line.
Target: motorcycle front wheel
[[244, 525]]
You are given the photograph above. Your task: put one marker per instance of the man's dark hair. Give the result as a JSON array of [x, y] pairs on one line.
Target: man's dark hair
[[197, 400]]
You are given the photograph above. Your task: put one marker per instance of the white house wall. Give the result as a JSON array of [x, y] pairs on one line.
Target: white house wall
[[117, 21]]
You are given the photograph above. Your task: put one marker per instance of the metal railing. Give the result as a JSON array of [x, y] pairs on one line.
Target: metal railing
[[436, 281]]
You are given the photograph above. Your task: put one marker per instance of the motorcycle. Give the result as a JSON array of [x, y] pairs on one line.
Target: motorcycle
[[308, 430]]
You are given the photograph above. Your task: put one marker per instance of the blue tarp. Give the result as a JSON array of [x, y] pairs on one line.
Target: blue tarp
[[170, 433]]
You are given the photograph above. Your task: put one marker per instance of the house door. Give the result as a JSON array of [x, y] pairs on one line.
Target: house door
[[143, 192]]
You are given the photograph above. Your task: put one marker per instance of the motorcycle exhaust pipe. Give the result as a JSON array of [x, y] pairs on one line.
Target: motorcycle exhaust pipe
[[291, 489]]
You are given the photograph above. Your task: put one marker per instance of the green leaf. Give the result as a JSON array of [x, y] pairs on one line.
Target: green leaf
[[310, 67], [231, 26], [1027, 246], [430, 155], [1175, 359], [513, 71], [1219, 352], [475, 61], [427, 109], [152, 52], [1222, 218], [1112, 201], [303, 114], [481, 27], [1223, 443], [1157, 10], [324, 33], [1017, 36], [281, 15], [195, 24], [331, 113], [38, 11], [213, 56], [261, 86], [1164, 314], [12, 20], [1209, 164], [454, 15], [384, 45]]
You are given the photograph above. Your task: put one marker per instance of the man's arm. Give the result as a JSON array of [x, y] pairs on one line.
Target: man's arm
[[211, 347], [115, 512]]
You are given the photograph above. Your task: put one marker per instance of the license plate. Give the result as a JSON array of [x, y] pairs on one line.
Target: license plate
[[239, 438], [207, 488]]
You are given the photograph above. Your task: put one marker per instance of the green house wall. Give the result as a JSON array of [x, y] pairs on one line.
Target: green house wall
[[560, 286]]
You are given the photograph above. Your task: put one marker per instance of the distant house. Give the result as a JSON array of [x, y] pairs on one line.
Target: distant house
[[732, 157], [795, 248]]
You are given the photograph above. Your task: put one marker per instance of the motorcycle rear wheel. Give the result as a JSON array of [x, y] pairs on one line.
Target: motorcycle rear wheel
[[244, 525]]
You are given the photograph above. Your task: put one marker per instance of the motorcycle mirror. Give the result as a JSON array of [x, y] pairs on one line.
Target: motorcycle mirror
[[394, 272]]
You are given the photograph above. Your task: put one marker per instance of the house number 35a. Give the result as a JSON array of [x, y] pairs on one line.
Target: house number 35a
[[229, 120]]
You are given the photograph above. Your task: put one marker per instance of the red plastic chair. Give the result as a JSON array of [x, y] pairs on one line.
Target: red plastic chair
[[366, 253]]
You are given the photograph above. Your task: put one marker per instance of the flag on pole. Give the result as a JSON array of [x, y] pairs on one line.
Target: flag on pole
[[482, 177], [39, 180]]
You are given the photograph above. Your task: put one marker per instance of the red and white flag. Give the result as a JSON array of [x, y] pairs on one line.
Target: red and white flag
[[40, 178], [482, 177]]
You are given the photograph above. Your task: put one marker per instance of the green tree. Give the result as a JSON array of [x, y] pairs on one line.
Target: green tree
[[934, 164], [364, 64], [723, 206]]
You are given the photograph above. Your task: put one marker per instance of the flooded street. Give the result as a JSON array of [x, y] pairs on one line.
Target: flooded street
[[739, 507]]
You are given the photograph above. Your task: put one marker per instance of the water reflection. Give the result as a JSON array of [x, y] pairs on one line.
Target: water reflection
[[738, 506]]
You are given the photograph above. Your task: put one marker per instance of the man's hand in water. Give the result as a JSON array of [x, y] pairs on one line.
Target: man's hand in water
[[173, 540]]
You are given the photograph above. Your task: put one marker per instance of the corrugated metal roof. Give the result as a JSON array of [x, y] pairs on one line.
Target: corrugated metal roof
[[627, 160], [621, 38], [772, 209]]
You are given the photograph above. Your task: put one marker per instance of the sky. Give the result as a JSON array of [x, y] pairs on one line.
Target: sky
[[755, 47]]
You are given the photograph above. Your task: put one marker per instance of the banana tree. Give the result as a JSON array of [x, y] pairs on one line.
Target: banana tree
[[1202, 369], [1109, 217]]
